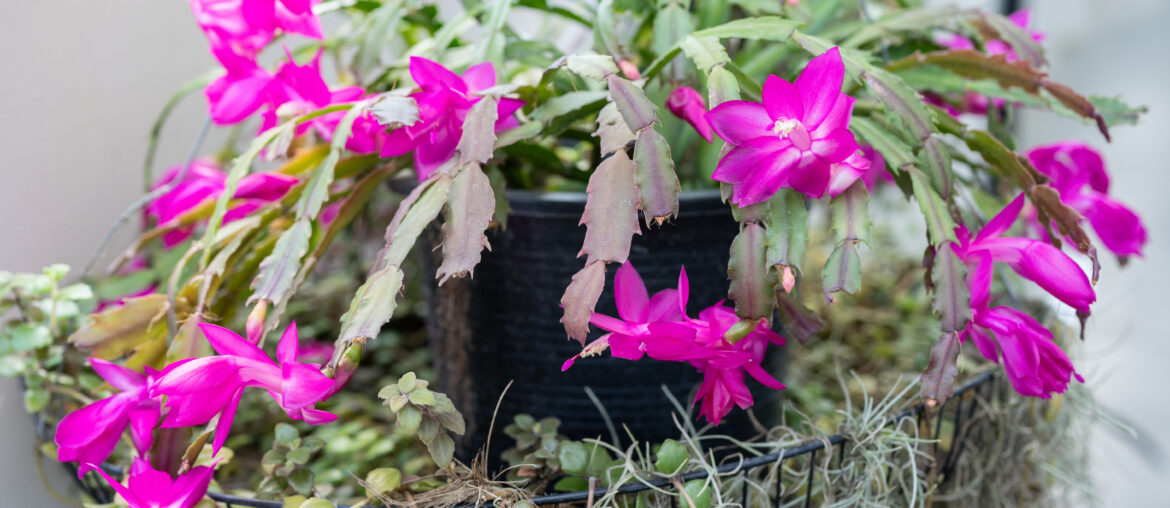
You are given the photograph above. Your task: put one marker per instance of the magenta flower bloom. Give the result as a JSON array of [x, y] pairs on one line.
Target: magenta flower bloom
[[241, 91], [443, 101], [658, 327], [1034, 364], [147, 487], [298, 89], [89, 434], [1034, 260], [1078, 174], [200, 388], [205, 181], [244, 27], [866, 165], [724, 367], [792, 139], [687, 104]]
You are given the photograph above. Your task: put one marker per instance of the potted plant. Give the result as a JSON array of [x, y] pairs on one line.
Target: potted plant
[[778, 114]]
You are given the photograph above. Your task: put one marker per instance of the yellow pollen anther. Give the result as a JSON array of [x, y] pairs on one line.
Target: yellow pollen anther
[[783, 126]]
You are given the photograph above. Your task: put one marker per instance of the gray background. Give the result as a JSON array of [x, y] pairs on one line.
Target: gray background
[[82, 80]]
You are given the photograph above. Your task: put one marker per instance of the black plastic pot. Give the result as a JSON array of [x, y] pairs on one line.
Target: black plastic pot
[[502, 325]]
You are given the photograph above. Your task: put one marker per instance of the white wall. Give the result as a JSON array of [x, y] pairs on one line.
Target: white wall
[[80, 84]]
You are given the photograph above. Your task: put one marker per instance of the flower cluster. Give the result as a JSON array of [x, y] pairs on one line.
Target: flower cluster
[[1035, 365], [793, 139], [196, 391], [658, 326], [444, 98], [1078, 173]]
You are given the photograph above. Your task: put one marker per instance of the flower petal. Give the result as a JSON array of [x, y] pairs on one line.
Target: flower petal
[[781, 100], [431, 75], [1002, 220], [286, 349], [1118, 227], [480, 76], [119, 377], [819, 85], [629, 293], [738, 122], [226, 342], [836, 146]]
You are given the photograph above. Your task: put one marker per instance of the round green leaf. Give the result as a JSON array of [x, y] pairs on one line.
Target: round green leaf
[[382, 480], [409, 418]]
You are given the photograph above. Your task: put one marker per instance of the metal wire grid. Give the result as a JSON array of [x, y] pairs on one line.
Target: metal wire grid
[[959, 410]]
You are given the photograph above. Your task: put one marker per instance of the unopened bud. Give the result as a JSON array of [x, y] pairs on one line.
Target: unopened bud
[[254, 327], [630, 70], [788, 279]]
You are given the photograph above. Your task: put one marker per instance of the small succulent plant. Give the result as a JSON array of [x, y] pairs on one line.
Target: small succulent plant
[[424, 412], [285, 466]]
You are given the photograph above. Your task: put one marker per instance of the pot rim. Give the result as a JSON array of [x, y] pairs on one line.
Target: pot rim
[[567, 204]]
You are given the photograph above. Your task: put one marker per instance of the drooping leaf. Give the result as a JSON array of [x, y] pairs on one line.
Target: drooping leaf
[[632, 103], [415, 212], [976, 65], [1116, 112], [581, 297], [893, 149], [938, 380], [470, 206], [372, 306], [612, 130], [278, 270], [908, 20], [850, 212], [951, 295], [936, 161], [902, 100], [658, 184], [611, 210], [118, 330], [842, 271], [787, 232], [799, 322], [591, 66], [479, 132], [939, 225], [752, 284]]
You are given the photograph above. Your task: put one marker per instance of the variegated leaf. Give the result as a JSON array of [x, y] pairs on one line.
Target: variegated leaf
[[278, 270], [591, 66], [372, 306]]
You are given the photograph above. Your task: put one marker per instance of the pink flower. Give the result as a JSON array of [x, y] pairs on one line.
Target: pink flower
[[725, 364], [204, 181], [866, 165], [1034, 364], [89, 434], [1034, 260], [687, 104], [299, 89], [792, 139], [150, 488], [443, 101], [658, 327], [200, 388], [1078, 174], [244, 27], [241, 91]]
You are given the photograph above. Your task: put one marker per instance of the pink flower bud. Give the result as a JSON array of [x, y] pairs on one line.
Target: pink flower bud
[[687, 104]]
